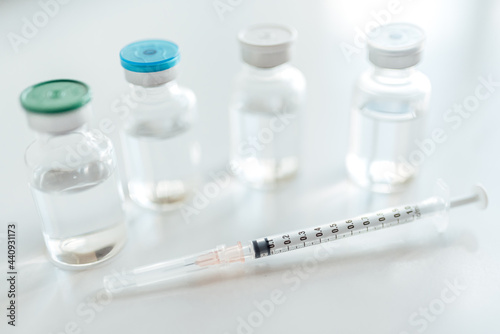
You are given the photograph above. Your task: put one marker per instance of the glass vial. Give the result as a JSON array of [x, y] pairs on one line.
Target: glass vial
[[72, 175], [161, 151], [388, 110], [267, 100]]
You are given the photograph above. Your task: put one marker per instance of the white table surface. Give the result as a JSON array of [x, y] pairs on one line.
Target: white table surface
[[375, 283]]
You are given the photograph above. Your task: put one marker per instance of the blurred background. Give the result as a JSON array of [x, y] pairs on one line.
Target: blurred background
[[377, 283]]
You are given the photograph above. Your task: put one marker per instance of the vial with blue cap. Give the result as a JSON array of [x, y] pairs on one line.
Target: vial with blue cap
[[72, 176], [389, 110], [266, 106], [161, 150]]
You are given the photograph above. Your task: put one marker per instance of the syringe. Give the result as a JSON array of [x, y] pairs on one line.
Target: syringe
[[281, 243]]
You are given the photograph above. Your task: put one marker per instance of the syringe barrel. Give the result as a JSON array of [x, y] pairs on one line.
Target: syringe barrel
[[395, 216]]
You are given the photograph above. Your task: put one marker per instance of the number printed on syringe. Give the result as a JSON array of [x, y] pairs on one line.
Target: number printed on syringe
[[342, 229]]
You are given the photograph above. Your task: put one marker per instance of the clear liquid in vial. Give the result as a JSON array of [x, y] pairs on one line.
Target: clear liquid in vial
[[82, 213], [380, 146], [266, 147], [161, 165]]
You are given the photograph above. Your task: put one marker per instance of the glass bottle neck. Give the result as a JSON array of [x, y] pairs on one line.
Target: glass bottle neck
[[44, 136], [165, 88], [265, 71], [392, 76]]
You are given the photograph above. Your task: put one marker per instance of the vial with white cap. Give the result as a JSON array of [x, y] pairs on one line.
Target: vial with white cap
[[72, 176], [161, 150], [267, 101], [389, 110]]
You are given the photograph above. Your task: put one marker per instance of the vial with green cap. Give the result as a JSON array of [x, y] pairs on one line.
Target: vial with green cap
[[72, 175], [161, 150], [389, 110], [267, 103]]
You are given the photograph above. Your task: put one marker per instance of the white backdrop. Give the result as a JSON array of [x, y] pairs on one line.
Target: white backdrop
[[404, 280]]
